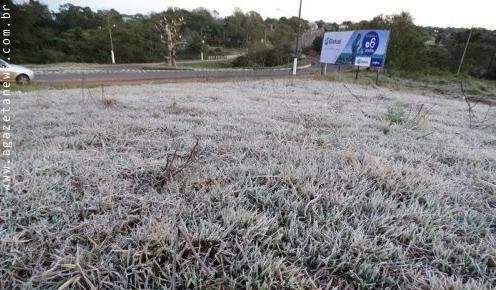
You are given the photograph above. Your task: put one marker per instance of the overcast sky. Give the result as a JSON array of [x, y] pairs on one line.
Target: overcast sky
[[454, 13]]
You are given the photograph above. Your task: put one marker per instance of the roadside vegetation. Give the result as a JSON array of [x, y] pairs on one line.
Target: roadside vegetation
[[261, 184], [79, 34], [423, 52], [448, 84], [24, 88], [265, 57], [211, 64]]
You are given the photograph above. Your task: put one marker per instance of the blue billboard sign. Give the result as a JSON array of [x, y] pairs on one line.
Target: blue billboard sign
[[361, 47]]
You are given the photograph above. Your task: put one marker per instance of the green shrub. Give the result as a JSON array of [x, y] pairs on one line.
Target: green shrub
[[216, 51], [265, 57], [491, 73], [317, 44], [395, 114], [244, 61], [436, 58]]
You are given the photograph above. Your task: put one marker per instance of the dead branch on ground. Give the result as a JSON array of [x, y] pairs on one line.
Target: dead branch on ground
[[472, 118], [171, 169], [353, 94]]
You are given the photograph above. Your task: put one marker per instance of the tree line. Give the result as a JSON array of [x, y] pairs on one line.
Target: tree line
[[79, 34], [417, 49], [431, 50]]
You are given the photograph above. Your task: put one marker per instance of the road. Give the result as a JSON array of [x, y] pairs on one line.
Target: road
[[92, 76], [133, 73]]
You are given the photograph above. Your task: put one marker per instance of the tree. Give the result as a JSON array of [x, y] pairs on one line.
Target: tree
[[480, 54], [200, 20], [244, 29], [317, 44], [79, 34], [70, 16], [170, 32], [406, 43]]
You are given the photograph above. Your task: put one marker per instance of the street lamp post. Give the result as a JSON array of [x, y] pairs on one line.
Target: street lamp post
[[295, 61], [112, 56]]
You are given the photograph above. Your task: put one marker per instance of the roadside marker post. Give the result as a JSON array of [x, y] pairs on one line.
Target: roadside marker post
[[295, 65], [82, 86]]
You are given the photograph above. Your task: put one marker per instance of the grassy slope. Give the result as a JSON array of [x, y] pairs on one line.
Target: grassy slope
[[445, 84], [292, 184]]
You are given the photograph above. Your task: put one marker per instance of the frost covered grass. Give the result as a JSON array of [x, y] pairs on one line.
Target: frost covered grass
[[275, 183]]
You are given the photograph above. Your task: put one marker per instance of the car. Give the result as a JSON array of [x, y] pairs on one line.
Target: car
[[18, 73]]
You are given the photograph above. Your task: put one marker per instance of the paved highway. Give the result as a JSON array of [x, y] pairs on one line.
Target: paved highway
[[75, 74], [143, 75], [123, 74]]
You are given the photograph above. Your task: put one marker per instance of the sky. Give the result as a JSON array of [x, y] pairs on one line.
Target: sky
[[442, 13]]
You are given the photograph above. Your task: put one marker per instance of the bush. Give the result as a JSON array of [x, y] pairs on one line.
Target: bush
[[216, 51], [491, 73], [395, 114], [436, 57], [244, 61], [265, 58], [194, 47], [317, 44]]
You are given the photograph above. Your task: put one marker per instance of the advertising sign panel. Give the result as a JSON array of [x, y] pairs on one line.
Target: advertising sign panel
[[365, 48]]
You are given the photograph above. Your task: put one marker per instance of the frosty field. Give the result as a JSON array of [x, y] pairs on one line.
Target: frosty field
[[257, 184]]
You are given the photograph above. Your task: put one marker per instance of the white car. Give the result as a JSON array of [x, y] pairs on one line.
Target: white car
[[18, 73]]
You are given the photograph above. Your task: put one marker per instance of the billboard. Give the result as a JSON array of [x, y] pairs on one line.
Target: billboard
[[361, 47]]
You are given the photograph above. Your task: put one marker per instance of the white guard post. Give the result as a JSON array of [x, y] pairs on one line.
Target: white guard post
[[295, 65]]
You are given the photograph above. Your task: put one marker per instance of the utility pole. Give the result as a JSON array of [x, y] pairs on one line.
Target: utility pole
[[464, 52], [112, 56], [295, 61]]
